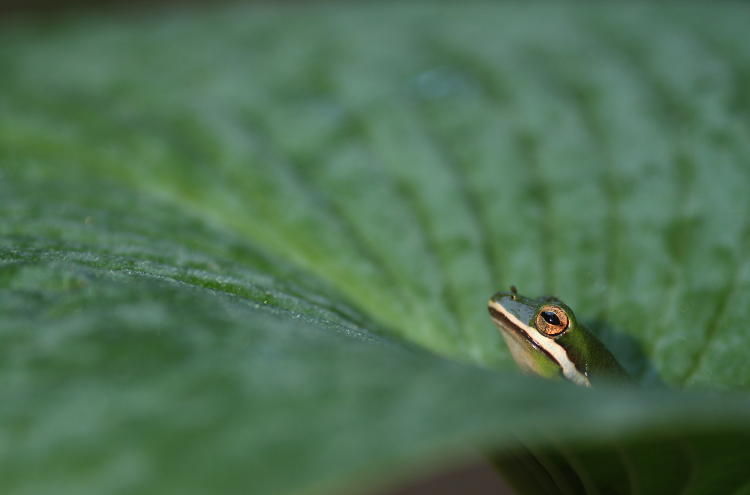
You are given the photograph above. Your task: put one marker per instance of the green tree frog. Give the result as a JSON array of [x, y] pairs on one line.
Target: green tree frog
[[545, 338]]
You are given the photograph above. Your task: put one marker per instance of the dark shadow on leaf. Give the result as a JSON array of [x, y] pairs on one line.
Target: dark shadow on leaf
[[628, 351]]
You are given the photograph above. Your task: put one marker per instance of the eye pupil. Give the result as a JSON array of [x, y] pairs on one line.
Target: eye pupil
[[551, 318]]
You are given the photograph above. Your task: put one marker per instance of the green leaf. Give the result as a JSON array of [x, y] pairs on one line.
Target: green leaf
[[249, 249]]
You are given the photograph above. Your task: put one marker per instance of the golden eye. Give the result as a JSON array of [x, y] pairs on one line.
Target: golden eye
[[551, 320]]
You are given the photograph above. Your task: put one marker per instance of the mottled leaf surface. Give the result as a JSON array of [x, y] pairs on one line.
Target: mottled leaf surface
[[248, 250]]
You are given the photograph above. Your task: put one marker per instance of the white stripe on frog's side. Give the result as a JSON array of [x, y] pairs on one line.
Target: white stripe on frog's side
[[549, 345]]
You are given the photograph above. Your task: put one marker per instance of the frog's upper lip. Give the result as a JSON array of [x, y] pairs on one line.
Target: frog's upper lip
[[503, 320], [500, 314], [514, 304], [510, 327]]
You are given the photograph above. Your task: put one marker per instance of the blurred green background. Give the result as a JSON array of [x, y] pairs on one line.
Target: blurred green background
[[248, 247]]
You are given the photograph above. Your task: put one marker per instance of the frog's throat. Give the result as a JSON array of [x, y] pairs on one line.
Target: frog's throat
[[554, 351]]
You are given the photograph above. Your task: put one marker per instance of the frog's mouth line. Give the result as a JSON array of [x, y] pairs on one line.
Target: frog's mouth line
[[568, 367], [507, 324]]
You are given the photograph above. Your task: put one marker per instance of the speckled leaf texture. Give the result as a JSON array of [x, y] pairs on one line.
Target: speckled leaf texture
[[248, 249]]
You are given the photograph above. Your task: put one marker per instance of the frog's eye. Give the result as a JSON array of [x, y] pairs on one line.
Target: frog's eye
[[552, 320]]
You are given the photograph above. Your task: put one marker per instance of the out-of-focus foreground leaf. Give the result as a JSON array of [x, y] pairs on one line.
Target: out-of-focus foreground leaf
[[248, 250]]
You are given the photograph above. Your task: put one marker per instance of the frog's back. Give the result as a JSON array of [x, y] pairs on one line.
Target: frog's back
[[602, 364]]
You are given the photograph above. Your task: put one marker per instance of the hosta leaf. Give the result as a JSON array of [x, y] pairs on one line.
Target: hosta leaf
[[249, 249]]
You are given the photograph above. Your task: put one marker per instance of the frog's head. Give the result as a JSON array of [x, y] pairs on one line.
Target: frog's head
[[542, 334]]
